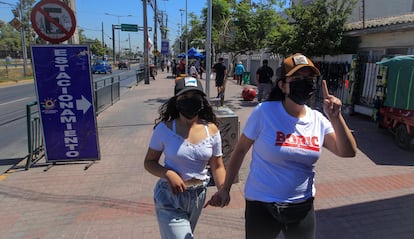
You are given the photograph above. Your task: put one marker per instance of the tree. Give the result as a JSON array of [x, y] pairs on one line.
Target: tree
[[95, 47], [316, 36], [9, 39]]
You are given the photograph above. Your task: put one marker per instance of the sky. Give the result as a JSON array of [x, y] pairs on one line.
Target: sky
[[92, 14]]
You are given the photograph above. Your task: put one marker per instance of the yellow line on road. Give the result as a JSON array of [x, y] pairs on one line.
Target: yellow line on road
[[5, 175]]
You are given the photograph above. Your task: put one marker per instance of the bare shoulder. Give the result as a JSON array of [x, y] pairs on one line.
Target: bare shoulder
[[212, 128]]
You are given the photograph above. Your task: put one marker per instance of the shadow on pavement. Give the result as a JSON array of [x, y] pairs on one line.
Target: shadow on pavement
[[377, 143], [388, 218], [6, 164]]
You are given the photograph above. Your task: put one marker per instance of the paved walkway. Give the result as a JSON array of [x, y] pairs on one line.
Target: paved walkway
[[370, 196]]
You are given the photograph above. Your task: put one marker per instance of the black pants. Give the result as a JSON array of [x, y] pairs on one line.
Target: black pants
[[260, 223]]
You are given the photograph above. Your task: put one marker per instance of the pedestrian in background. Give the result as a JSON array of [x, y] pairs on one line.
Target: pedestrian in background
[[193, 70], [202, 68], [238, 72], [186, 133], [287, 138], [264, 78], [168, 65], [181, 67], [174, 68], [221, 71]]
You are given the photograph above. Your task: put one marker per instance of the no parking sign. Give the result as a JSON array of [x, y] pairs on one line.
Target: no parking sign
[[53, 21]]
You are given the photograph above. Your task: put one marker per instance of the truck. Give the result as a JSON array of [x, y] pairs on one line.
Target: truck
[[396, 108]]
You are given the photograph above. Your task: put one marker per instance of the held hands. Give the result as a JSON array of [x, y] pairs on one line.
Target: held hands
[[219, 199], [331, 104]]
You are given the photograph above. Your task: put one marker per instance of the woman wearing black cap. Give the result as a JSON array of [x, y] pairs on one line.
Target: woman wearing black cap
[[287, 138], [186, 132]]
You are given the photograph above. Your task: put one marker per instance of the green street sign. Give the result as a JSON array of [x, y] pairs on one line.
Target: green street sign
[[129, 27]]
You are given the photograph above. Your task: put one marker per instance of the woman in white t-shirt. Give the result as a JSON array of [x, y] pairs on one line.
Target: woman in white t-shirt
[[287, 138], [186, 132]]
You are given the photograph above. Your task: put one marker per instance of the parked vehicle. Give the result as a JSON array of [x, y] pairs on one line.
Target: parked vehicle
[[101, 66], [397, 110], [123, 64]]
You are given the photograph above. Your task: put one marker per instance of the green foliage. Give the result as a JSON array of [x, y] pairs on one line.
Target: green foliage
[[242, 25], [317, 29], [9, 39], [97, 48]]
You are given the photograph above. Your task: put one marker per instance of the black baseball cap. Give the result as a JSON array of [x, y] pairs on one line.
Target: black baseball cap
[[186, 84]]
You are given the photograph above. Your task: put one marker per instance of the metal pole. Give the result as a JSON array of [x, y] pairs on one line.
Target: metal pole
[[129, 41], [24, 48], [155, 32], [103, 39], [146, 72], [119, 38], [186, 39], [181, 30], [113, 43], [208, 48]]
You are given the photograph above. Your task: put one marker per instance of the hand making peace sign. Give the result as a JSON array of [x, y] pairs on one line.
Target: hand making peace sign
[[331, 104]]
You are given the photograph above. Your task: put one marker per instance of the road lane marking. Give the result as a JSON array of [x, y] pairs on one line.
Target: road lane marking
[[14, 101]]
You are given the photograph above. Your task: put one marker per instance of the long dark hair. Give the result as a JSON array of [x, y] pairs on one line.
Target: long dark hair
[[168, 111]]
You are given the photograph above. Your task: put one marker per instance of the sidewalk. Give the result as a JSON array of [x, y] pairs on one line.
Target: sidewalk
[[370, 196]]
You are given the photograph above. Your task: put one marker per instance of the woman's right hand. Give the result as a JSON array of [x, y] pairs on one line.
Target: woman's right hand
[[219, 199], [176, 182]]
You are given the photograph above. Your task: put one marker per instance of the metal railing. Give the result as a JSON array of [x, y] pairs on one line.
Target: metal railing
[[140, 74], [35, 143], [106, 92]]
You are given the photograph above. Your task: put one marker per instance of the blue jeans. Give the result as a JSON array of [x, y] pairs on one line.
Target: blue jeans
[[177, 214]]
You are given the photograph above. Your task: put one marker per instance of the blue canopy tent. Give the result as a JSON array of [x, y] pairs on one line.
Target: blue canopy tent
[[192, 54]]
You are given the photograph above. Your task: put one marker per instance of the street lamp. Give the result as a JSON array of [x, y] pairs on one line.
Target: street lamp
[[119, 32], [186, 38], [22, 30], [181, 28]]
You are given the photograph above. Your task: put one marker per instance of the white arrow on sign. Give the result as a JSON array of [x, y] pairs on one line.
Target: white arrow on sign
[[83, 104]]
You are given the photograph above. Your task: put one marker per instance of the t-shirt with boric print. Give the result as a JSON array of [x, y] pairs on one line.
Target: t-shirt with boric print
[[284, 153]]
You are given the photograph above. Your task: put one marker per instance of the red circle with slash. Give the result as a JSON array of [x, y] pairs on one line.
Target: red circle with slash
[[53, 21]]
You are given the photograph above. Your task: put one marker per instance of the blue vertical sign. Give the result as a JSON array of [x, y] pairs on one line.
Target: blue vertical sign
[[165, 47], [64, 93]]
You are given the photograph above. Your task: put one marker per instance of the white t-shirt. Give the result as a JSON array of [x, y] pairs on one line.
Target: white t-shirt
[[284, 152], [187, 159], [193, 70]]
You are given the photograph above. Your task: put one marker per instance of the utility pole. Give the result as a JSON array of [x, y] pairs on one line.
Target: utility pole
[[208, 47], [103, 39], [181, 30], [18, 17], [129, 41], [113, 44], [155, 33], [186, 38], [146, 70]]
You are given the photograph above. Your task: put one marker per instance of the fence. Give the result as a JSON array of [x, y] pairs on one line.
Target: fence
[[106, 92], [14, 71], [35, 143]]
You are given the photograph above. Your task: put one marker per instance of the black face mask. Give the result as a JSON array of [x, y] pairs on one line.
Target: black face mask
[[190, 107], [302, 90]]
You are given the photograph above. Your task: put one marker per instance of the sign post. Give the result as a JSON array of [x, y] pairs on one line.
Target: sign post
[[64, 91]]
